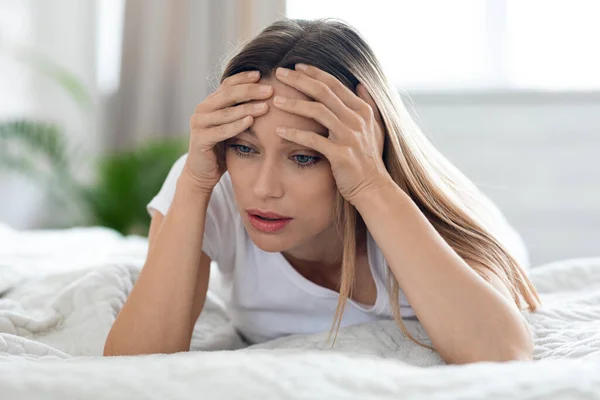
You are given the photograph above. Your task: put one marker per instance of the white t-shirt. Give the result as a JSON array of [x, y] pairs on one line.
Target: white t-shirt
[[265, 296]]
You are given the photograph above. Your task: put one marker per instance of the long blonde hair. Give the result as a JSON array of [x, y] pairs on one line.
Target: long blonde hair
[[449, 200]]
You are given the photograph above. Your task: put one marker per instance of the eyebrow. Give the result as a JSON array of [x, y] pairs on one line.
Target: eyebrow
[[251, 132]]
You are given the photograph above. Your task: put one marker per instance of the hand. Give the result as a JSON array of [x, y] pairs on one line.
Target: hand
[[354, 146], [217, 119]]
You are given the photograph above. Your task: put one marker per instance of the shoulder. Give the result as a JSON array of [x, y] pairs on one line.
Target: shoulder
[[223, 193]]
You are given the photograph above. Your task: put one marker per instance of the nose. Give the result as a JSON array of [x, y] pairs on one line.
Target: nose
[[268, 182]]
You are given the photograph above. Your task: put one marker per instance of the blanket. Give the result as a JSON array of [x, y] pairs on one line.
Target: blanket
[[59, 298]]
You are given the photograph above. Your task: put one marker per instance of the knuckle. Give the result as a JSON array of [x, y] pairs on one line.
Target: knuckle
[[366, 109], [323, 90], [228, 81], [337, 86], [227, 111], [229, 93], [346, 153], [249, 90], [196, 121], [356, 121], [222, 129], [320, 109]]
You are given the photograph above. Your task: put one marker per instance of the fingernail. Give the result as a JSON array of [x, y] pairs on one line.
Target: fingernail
[[264, 89], [259, 106], [279, 100], [281, 130], [282, 71], [253, 74], [301, 67]]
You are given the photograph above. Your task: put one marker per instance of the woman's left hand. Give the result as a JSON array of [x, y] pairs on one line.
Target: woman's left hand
[[356, 131]]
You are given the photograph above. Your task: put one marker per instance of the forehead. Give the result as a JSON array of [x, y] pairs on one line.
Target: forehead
[[268, 122]]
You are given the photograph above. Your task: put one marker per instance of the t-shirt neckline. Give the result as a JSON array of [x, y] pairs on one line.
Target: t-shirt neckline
[[321, 291]]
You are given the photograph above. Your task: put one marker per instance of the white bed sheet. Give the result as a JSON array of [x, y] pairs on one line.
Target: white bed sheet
[[62, 290]]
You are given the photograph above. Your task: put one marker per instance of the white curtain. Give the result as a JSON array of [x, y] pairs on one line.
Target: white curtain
[[173, 54], [61, 32]]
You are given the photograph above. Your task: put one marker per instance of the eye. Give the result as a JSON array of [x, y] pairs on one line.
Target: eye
[[241, 150], [304, 161]]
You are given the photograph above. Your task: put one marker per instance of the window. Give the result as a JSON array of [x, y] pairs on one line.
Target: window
[[109, 40], [475, 44], [15, 31]]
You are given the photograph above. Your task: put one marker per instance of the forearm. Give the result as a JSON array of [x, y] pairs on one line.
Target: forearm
[[156, 316], [466, 318]]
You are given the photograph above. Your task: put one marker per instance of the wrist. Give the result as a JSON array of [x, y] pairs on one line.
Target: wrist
[[378, 190], [190, 188]]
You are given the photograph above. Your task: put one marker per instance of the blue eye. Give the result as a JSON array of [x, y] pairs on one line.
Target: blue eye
[[304, 161], [241, 150], [244, 149], [301, 160]]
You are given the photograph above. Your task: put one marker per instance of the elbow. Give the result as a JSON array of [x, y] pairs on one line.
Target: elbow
[[521, 354], [521, 350], [108, 350]]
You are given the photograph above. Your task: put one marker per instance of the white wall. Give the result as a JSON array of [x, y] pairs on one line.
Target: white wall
[[48, 28], [535, 155]]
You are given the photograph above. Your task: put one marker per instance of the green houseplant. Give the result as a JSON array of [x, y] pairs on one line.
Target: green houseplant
[[124, 181]]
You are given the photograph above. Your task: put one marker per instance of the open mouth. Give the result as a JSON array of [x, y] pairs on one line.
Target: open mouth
[[269, 219]]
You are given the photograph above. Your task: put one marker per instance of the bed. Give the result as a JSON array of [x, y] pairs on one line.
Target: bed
[[60, 291]]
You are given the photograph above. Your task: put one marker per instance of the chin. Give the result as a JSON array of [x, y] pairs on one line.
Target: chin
[[269, 242]]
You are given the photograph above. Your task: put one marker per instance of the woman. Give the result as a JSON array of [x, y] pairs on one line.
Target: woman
[[319, 198]]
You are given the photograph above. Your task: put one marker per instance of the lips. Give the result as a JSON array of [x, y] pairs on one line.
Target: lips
[[267, 215], [267, 221]]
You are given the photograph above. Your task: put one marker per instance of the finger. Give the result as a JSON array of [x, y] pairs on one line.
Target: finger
[[319, 88], [308, 139], [363, 93], [226, 131], [239, 78], [310, 109], [230, 114], [238, 94], [346, 95]]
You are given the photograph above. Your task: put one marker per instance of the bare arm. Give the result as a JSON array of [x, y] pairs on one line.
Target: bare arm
[[162, 308], [466, 318], [203, 272]]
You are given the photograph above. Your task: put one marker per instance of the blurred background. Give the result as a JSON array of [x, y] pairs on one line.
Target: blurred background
[[96, 96]]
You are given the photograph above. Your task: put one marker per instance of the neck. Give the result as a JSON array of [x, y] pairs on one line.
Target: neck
[[323, 253]]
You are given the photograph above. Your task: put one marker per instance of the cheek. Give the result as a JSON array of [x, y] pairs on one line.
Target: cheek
[[315, 197], [238, 167], [230, 158]]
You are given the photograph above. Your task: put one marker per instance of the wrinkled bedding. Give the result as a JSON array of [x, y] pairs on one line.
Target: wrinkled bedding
[[61, 290]]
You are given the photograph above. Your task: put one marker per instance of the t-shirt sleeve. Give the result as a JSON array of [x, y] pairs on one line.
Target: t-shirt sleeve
[[219, 234]]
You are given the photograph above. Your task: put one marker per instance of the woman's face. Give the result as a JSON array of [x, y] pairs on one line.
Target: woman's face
[[269, 173]]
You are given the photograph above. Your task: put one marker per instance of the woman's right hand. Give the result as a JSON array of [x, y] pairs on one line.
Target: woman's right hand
[[216, 119]]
